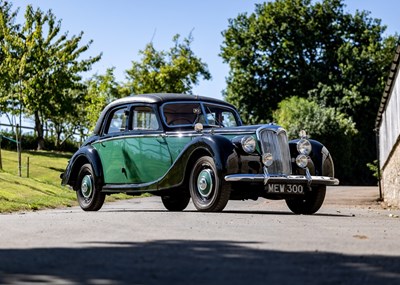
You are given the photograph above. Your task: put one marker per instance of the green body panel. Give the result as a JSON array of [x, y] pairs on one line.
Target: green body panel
[[112, 160], [146, 159], [138, 159], [134, 159], [176, 144]]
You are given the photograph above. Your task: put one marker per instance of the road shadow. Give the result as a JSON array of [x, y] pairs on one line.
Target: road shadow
[[190, 262], [241, 212]]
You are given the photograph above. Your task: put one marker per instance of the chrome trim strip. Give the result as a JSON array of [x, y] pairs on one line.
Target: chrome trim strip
[[174, 134], [124, 136], [281, 179]]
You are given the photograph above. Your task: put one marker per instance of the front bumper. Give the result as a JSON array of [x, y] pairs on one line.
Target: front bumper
[[282, 179]]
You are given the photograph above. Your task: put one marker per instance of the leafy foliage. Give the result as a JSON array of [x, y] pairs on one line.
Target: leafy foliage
[[7, 78], [101, 90], [173, 71], [321, 123], [43, 67], [311, 50], [296, 114], [41, 75]]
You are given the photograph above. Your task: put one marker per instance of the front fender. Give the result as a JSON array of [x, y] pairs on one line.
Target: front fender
[[322, 162], [218, 147], [86, 154]]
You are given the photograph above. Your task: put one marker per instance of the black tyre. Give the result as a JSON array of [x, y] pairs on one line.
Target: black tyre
[[88, 193], [176, 202], [310, 203], [207, 190]]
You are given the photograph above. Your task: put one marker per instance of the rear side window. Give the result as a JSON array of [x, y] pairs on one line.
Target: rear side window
[[144, 118], [117, 122]]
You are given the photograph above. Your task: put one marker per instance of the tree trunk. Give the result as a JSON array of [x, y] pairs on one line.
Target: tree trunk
[[39, 131]]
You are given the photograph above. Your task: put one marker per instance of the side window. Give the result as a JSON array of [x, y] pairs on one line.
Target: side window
[[144, 118], [228, 119], [220, 116], [117, 122]]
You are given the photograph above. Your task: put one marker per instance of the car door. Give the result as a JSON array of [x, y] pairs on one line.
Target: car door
[[145, 152], [111, 144]]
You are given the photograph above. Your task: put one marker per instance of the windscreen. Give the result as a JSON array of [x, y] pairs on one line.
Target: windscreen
[[188, 114]]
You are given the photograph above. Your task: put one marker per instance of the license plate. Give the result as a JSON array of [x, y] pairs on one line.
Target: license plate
[[285, 189]]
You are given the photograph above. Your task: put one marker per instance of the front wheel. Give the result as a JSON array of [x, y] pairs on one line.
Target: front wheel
[[310, 203], [88, 195], [208, 192]]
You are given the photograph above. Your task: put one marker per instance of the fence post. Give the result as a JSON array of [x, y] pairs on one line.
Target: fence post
[[18, 139], [27, 167]]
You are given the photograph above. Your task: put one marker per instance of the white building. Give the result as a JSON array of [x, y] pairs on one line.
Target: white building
[[388, 130]]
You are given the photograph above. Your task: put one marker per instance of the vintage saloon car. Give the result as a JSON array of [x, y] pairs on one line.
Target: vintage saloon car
[[184, 146]]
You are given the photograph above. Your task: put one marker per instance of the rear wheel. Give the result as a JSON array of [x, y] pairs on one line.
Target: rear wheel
[[88, 194], [310, 203], [176, 201], [207, 190]]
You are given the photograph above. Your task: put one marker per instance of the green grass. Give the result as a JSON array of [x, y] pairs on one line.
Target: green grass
[[42, 189], [44, 166]]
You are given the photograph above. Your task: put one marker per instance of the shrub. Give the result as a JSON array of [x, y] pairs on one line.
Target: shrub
[[325, 124]]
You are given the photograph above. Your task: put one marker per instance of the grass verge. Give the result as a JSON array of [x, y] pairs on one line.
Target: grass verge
[[42, 189]]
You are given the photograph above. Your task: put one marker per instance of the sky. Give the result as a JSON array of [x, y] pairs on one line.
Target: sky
[[121, 28]]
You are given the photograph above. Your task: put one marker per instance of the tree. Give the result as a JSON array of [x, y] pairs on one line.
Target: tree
[[8, 102], [309, 49], [321, 123], [67, 116], [45, 66], [101, 90], [173, 71]]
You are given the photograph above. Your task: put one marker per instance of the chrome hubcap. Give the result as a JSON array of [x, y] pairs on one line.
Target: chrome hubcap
[[205, 182], [86, 186]]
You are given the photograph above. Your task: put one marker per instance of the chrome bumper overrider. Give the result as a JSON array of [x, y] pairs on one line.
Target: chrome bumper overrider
[[282, 179]]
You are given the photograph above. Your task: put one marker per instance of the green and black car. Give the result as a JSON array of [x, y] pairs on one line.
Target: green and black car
[[184, 146]]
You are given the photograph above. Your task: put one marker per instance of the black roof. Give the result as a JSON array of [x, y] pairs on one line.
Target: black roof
[[161, 98], [156, 98]]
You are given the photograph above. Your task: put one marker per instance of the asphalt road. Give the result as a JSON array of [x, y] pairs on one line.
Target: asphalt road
[[351, 240]]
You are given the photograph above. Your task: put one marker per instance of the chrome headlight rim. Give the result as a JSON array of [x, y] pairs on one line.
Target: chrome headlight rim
[[267, 159], [302, 160], [304, 146], [248, 144]]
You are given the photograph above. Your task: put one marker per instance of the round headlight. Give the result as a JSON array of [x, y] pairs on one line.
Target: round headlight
[[302, 160], [304, 146], [267, 159], [248, 144]]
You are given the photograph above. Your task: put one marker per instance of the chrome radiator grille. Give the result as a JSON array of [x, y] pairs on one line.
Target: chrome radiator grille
[[275, 141]]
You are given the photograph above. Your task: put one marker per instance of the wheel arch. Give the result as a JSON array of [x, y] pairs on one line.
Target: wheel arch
[[220, 148], [321, 158], [85, 155], [195, 155]]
